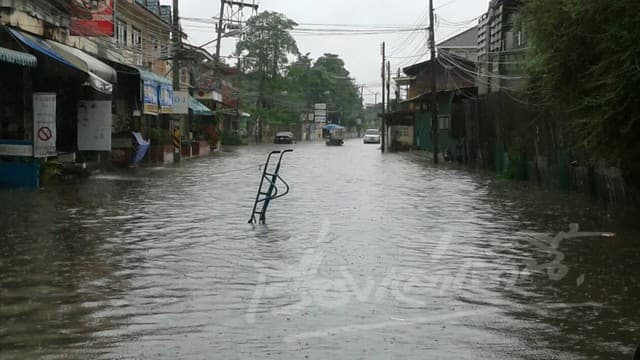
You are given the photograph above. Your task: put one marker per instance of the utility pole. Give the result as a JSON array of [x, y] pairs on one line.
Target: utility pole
[[220, 30], [177, 65], [389, 86], [434, 89], [398, 89], [221, 27], [362, 120], [384, 80]]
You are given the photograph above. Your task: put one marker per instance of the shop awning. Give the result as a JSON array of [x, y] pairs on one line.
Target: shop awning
[[101, 76], [198, 108], [42, 47], [148, 75], [97, 67], [17, 57]]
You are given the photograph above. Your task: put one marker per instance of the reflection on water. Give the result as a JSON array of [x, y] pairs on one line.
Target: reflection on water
[[369, 256]]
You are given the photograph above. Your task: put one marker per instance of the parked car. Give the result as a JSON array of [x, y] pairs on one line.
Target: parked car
[[283, 137], [371, 136]]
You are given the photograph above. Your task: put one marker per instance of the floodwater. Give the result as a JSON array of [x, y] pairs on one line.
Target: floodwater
[[370, 256]]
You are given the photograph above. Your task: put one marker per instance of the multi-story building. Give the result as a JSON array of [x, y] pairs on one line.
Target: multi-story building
[[75, 72], [501, 46]]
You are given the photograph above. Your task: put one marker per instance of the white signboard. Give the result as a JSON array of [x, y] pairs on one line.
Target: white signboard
[[320, 107], [16, 150], [44, 125], [180, 102], [321, 119], [321, 113], [94, 125], [217, 96]]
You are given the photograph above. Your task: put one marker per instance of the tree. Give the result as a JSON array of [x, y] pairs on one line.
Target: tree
[[584, 67], [267, 44], [339, 90]]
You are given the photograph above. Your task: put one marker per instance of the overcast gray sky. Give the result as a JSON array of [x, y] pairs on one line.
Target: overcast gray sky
[[361, 53]]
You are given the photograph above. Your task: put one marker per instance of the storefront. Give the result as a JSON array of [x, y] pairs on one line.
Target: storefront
[[63, 106], [17, 167]]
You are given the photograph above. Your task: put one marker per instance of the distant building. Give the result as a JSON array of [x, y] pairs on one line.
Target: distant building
[[501, 46], [463, 45]]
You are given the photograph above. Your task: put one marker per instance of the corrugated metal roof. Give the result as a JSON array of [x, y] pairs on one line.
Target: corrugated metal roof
[[18, 57]]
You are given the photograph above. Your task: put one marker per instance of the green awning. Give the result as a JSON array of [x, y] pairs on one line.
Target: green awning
[[148, 75], [198, 108], [17, 57]]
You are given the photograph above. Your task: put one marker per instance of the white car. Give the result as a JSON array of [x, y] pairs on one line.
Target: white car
[[371, 136]]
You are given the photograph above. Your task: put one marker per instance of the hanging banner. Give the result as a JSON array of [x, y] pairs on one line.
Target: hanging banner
[[92, 17], [94, 125], [166, 98], [44, 125], [150, 97], [180, 102]]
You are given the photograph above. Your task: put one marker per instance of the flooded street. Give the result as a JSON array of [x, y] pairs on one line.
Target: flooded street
[[370, 256]]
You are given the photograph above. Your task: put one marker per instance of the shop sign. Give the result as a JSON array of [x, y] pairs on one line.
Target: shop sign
[[150, 97], [166, 98], [94, 125], [180, 102], [92, 17]]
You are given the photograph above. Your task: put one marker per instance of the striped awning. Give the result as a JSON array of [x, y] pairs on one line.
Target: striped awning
[[17, 57]]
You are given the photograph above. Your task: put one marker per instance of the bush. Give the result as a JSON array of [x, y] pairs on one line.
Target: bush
[[231, 139], [49, 169], [158, 136]]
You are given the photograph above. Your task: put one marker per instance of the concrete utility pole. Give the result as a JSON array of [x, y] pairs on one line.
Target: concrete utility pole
[[220, 30], [384, 80], [398, 89], [389, 86], [177, 65], [434, 95]]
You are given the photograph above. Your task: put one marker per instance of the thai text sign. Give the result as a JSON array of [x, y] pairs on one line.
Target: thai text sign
[[180, 102], [44, 124], [92, 17]]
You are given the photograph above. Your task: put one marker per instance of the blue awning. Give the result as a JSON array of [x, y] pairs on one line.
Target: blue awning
[[17, 57], [101, 76], [198, 108], [332, 126], [42, 47]]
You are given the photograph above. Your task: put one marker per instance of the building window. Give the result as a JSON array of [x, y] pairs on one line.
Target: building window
[[121, 32], [444, 122], [154, 47], [136, 38]]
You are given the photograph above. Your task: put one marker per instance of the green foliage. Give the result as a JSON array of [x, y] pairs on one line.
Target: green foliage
[[49, 169], [158, 136], [231, 139], [278, 92], [585, 68], [267, 44]]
